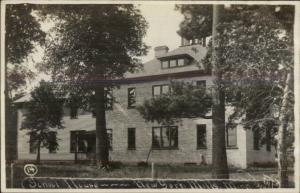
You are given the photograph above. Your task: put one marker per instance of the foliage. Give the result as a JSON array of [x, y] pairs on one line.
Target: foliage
[[22, 33], [44, 113], [184, 101]]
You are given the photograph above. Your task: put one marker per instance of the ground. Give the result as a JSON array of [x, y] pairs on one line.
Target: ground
[[133, 171]]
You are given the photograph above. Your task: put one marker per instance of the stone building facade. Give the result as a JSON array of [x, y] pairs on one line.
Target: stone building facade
[[133, 140]]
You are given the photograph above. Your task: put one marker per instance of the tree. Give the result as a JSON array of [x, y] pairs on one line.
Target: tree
[[22, 33], [92, 45], [44, 114]]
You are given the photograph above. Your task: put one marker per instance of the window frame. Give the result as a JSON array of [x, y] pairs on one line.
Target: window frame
[[129, 147], [169, 147], [111, 101], [55, 136], [185, 63], [235, 146], [160, 89], [205, 136], [131, 105]]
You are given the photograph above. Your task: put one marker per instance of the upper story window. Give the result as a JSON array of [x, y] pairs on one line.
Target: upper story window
[[108, 99], [160, 89], [201, 83], [173, 63], [131, 97]]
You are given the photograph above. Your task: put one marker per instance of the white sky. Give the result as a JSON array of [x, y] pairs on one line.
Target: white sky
[[163, 23]]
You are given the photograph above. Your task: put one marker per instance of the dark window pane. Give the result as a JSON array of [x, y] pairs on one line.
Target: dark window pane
[[201, 136], [53, 142], [256, 138], [201, 83], [131, 97], [109, 136], [268, 139], [33, 144], [131, 138], [73, 112], [165, 137]]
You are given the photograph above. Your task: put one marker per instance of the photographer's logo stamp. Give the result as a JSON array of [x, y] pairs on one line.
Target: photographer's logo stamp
[[30, 170]]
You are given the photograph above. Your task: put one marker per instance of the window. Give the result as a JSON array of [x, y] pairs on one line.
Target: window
[[33, 144], [165, 137], [131, 138], [256, 138], [108, 99], [160, 89], [268, 139], [165, 64], [131, 97], [231, 137], [201, 83], [201, 136], [73, 112], [180, 62], [53, 142], [109, 137], [173, 63], [78, 142], [85, 141]]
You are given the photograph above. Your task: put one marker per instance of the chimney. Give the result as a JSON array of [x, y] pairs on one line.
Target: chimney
[[160, 50]]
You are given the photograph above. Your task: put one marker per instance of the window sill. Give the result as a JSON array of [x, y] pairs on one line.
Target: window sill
[[201, 148], [232, 148], [156, 148]]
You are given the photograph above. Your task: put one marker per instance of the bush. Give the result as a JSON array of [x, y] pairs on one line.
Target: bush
[[142, 164]]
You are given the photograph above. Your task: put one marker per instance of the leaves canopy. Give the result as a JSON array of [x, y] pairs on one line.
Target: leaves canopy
[[184, 101], [22, 33], [44, 112]]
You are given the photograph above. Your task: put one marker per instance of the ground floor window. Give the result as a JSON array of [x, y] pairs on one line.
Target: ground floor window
[[53, 142], [165, 137], [231, 137], [85, 141], [131, 138], [33, 144], [201, 136]]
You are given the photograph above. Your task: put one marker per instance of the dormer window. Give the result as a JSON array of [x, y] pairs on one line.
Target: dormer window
[[173, 63]]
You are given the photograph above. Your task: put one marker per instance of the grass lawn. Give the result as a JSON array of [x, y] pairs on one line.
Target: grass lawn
[[133, 171]]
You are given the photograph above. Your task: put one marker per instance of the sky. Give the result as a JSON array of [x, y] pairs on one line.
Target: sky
[[163, 23]]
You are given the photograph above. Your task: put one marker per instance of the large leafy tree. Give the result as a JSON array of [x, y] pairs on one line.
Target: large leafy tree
[[255, 64], [44, 114], [22, 34], [92, 45]]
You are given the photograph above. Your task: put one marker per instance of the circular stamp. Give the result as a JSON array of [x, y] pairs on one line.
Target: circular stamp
[[30, 170]]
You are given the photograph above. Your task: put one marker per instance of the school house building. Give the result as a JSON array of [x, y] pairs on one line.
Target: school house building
[[132, 139]]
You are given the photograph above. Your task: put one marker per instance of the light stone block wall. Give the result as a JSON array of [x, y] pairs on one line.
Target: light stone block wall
[[121, 118]]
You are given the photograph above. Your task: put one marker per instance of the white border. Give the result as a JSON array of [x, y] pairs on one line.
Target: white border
[[296, 91]]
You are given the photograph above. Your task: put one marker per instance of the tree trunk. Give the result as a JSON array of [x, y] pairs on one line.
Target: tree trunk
[[282, 136], [219, 157], [102, 152], [38, 156]]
